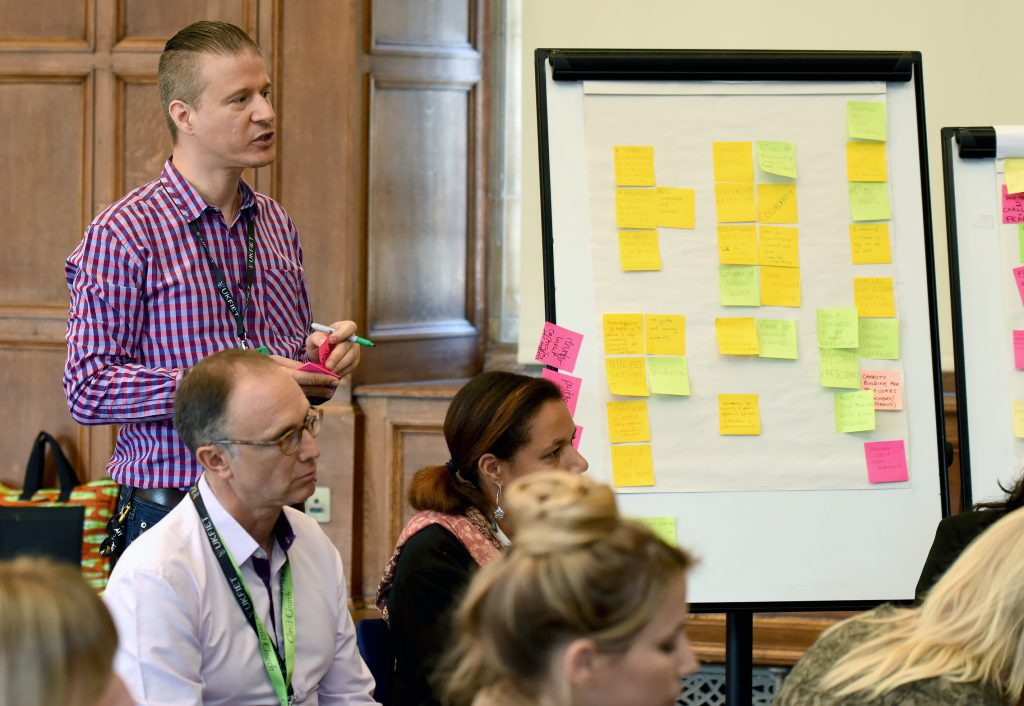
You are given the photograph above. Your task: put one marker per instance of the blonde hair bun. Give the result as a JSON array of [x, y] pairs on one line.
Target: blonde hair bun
[[554, 511]]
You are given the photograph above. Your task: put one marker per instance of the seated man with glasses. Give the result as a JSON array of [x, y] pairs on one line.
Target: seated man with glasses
[[235, 597]]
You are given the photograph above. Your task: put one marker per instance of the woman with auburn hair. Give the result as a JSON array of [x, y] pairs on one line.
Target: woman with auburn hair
[[57, 640], [963, 645], [499, 427], [585, 608]]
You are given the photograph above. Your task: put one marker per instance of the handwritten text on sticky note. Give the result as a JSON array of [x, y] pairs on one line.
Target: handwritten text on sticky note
[[737, 245], [558, 347], [776, 338], [569, 385], [865, 161], [738, 415], [669, 375], [634, 165], [886, 460], [628, 422], [888, 387], [675, 207], [1013, 207], [626, 376], [779, 246], [873, 297], [855, 411], [736, 336], [837, 328], [869, 244], [623, 334], [632, 465], [879, 339], [780, 286], [733, 161], [777, 158], [737, 285], [639, 250], [776, 203], [734, 202], [866, 121], [869, 201], [839, 367], [636, 208], [666, 334]]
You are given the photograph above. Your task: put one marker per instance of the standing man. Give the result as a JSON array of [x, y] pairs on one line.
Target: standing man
[[235, 597], [189, 264]]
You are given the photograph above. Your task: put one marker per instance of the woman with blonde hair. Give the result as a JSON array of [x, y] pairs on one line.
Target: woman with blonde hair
[[963, 645], [57, 640], [585, 608]]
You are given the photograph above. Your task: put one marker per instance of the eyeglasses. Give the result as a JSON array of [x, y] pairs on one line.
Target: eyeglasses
[[289, 442]]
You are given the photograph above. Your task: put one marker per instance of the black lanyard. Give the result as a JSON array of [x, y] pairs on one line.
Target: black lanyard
[[220, 281], [281, 680]]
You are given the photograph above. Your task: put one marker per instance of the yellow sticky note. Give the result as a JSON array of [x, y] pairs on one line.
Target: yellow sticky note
[[675, 207], [866, 120], [779, 246], [1018, 419], [737, 336], [734, 202], [734, 161], [628, 421], [777, 158], [636, 208], [627, 376], [737, 245], [738, 415], [639, 250], [780, 286], [623, 334], [1013, 169], [869, 244], [873, 297], [632, 465], [776, 203], [666, 334], [663, 527], [634, 165], [865, 161], [669, 375], [855, 411]]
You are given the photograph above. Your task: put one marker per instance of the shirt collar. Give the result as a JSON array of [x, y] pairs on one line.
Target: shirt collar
[[239, 542], [188, 200]]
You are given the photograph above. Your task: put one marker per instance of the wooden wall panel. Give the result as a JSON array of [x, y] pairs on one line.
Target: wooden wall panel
[[45, 180], [423, 22], [142, 142], [147, 22], [44, 22]]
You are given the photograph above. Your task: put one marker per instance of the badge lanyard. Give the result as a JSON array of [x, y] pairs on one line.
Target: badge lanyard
[[279, 671], [220, 282]]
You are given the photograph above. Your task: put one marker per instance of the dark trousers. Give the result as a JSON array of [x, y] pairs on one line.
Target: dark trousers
[[148, 506]]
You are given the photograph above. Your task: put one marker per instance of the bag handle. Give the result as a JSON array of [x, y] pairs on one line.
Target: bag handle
[[66, 475]]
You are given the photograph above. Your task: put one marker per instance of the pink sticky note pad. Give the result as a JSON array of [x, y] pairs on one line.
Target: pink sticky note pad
[[576, 437], [569, 385], [887, 461], [1013, 207], [325, 351], [888, 387], [1018, 350], [1018, 277], [317, 368], [559, 347]]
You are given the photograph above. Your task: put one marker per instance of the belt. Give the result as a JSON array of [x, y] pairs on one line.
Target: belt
[[167, 497]]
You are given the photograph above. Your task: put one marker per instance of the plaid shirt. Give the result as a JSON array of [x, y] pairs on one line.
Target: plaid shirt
[[144, 308]]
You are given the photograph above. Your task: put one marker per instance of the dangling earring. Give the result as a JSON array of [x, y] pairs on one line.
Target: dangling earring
[[499, 514]]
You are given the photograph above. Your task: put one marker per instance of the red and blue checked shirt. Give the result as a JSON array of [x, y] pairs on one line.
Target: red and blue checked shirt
[[144, 308]]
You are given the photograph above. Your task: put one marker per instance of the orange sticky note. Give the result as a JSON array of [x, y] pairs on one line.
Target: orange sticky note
[[675, 207], [737, 336], [738, 415], [628, 421], [869, 243], [639, 250], [627, 376], [636, 208], [779, 246], [734, 161], [623, 334], [632, 465], [734, 202], [873, 297], [776, 203], [737, 245], [666, 334], [865, 161], [634, 165], [888, 387], [780, 286]]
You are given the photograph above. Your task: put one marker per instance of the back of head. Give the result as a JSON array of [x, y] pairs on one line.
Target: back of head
[[201, 400], [490, 414], [57, 640], [970, 627], [179, 75], [576, 570]]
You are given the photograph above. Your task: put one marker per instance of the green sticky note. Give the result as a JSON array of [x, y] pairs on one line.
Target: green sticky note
[[1020, 240], [777, 158], [869, 201], [664, 527], [668, 376], [738, 285], [865, 121], [879, 339], [839, 367], [837, 328], [855, 411], [777, 338]]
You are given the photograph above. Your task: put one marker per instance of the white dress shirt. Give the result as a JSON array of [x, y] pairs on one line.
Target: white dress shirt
[[184, 639]]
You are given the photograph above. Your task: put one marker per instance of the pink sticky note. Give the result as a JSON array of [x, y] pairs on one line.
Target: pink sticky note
[[888, 387], [325, 351], [1018, 350], [1018, 277], [887, 461], [569, 385], [317, 368], [1013, 207], [559, 347], [576, 437]]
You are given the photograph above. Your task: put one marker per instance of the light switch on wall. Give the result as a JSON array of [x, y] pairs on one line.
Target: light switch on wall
[[318, 506]]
